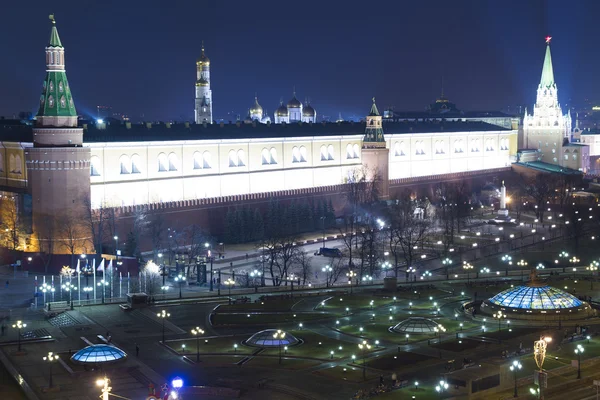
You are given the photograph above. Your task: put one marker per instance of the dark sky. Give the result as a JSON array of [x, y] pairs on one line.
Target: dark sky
[[139, 56]]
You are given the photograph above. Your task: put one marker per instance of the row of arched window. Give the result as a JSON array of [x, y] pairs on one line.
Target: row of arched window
[[54, 58], [14, 164], [399, 148]]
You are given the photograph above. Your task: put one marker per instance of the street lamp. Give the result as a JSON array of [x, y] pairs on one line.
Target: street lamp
[[104, 384], [164, 315], [446, 262], [351, 275], [180, 279], [499, 315], [579, 352], [593, 267], [443, 385], [364, 346], [367, 279], [50, 358], [47, 288], [279, 336], [467, 267], [19, 325], [516, 365], [522, 263], [197, 332], [87, 291], [386, 266], [327, 269], [103, 284], [69, 288], [116, 238], [229, 283], [439, 329], [255, 274]]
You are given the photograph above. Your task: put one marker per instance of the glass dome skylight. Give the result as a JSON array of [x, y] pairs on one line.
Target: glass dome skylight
[[266, 339], [416, 325], [98, 353], [535, 298]]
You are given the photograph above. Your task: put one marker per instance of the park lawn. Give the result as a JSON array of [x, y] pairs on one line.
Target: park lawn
[[567, 350], [509, 333], [215, 361], [267, 306], [394, 362], [354, 302], [456, 345], [409, 393], [311, 348], [453, 325], [212, 345], [269, 320], [286, 363], [346, 373], [380, 331]]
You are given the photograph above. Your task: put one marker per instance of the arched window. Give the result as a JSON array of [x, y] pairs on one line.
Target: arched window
[[197, 160], [303, 157], [241, 158], [125, 164], [63, 102], [323, 153], [295, 154], [163, 163], [206, 160], [232, 158], [349, 152], [56, 57], [51, 54], [330, 152], [474, 145], [265, 156], [95, 166], [439, 147], [399, 149], [17, 169], [273, 153], [50, 100], [566, 157], [60, 87], [173, 162], [356, 151], [136, 164], [419, 147]]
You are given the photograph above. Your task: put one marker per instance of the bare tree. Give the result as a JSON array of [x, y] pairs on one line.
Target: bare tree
[[95, 222], [69, 234], [304, 268], [10, 221], [47, 240], [156, 232], [541, 188]]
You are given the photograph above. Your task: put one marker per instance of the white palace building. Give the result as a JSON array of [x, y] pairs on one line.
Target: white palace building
[[134, 164]]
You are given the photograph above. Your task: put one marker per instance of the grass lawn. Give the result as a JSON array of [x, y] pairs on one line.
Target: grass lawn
[[268, 306], [353, 302], [214, 361], [409, 393], [394, 362], [455, 345], [317, 346], [217, 345], [505, 333], [379, 331], [346, 373], [286, 363], [263, 319], [453, 326]]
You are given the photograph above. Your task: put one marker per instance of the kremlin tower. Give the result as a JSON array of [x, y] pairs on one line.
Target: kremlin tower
[[203, 110]]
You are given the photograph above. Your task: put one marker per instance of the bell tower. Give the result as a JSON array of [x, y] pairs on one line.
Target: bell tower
[[375, 154], [58, 166], [203, 110]]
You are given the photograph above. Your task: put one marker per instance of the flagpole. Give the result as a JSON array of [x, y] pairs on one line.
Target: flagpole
[[79, 280], [103, 277], [94, 268], [120, 284], [128, 279]]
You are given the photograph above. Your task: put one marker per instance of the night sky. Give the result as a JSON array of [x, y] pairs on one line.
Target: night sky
[[139, 56]]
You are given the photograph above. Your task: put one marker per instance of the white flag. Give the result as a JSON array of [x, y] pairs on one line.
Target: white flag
[[101, 266]]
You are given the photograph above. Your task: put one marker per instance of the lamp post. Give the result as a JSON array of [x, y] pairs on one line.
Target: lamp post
[[180, 279], [364, 346], [439, 329], [522, 263], [19, 325], [351, 275], [516, 365], [50, 358], [103, 284], [508, 260], [164, 315], [468, 267], [579, 352], [255, 274], [45, 289], [386, 266], [87, 291], [229, 283], [67, 286], [279, 336], [499, 315], [116, 238], [105, 388], [593, 267], [197, 332], [447, 262], [163, 271], [327, 269]]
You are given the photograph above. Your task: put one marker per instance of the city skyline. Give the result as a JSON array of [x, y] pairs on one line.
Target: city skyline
[[483, 65]]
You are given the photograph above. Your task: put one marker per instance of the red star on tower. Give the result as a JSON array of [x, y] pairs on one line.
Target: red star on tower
[[548, 39]]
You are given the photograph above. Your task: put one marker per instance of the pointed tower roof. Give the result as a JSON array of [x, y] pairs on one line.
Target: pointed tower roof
[[54, 38], [374, 111], [547, 71]]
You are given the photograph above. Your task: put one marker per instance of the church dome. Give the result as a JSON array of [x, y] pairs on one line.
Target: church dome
[[309, 111], [203, 60], [256, 108], [294, 103], [282, 111]]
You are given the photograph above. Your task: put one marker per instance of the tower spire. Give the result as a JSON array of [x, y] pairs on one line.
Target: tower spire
[[547, 79]]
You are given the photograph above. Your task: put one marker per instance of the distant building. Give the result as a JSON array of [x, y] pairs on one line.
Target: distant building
[[295, 111]]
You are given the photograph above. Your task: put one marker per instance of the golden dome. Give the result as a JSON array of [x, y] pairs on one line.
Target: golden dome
[[203, 60], [309, 111], [282, 111], [294, 102], [256, 108]]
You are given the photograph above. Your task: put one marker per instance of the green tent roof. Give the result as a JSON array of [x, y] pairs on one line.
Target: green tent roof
[[54, 38], [547, 71]]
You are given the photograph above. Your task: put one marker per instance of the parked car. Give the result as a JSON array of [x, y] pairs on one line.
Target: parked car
[[328, 252]]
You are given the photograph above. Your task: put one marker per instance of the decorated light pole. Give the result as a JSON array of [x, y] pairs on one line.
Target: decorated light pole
[[364, 347], [197, 332], [19, 325], [351, 275], [468, 267], [499, 315], [593, 267], [516, 366], [327, 269], [164, 315], [180, 279], [279, 336], [229, 283], [579, 352], [50, 358]]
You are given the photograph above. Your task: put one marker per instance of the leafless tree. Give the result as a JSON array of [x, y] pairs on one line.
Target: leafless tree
[[303, 266], [156, 232], [10, 221], [540, 189], [69, 234], [46, 235], [95, 222]]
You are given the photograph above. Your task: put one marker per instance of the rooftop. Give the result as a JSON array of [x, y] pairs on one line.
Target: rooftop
[[546, 167], [18, 131]]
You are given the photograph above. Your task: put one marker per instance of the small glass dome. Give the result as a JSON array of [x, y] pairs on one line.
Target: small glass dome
[[98, 353], [416, 325], [535, 298], [267, 338]]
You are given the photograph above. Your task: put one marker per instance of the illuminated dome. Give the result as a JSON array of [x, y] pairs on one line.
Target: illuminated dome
[[265, 339], [536, 298], [416, 325], [256, 108], [308, 111], [98, 353], [282, 111], [203, 59], [294, 103]]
